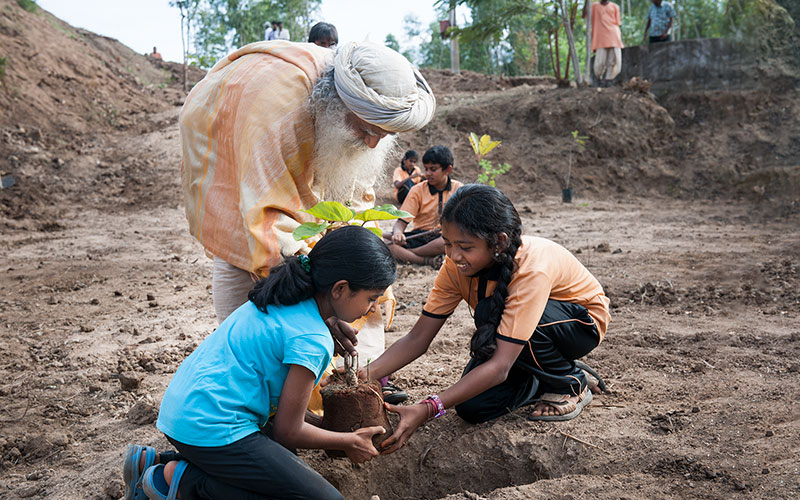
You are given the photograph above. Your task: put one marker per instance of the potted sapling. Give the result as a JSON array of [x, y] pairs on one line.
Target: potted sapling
[[347, 403], [578, 145]]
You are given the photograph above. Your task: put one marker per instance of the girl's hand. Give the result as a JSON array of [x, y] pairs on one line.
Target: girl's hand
[[344, 336], [411, 417], [362, 450], [399, 238]]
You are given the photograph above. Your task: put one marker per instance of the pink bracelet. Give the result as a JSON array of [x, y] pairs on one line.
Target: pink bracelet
[[430, 406], [438, 403]]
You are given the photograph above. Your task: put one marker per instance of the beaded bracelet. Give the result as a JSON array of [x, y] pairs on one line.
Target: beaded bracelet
[[439, 405], [431, 407]]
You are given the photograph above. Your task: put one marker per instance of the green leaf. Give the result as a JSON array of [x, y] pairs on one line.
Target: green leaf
[[473, 141], [383, 214], [331, 210], [377, 231], [308, 229]]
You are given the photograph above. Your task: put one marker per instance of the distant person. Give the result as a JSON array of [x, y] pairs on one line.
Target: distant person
[[280, 33], [606, 40], [155, 54], [269, 33], [406, 176], [659, 22], [324, 35], [424, 244]]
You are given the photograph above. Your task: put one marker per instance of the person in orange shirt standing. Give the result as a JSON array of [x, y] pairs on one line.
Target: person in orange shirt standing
[[537, 309], [606, 40]]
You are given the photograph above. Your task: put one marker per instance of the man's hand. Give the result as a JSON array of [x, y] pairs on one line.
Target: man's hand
[[664, 36], [399, 238], [361, 449], [344, 336], [411, 417]]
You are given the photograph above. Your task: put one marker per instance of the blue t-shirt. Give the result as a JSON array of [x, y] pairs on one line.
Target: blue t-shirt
[[230, 385], [660, 18]]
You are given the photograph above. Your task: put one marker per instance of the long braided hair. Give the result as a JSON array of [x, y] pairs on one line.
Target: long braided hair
[[485, 212]]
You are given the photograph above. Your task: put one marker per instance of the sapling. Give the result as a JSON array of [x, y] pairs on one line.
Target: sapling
[[481, 147], [348, 405], [579, 144], [335, 215]]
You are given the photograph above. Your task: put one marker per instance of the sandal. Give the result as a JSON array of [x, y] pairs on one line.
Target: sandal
[[593, 379], [435, 261], [156, 487], [569, 409], [395, 394], [131, 475]]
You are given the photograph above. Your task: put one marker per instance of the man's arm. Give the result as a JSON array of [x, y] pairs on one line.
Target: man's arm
[[669, 27]]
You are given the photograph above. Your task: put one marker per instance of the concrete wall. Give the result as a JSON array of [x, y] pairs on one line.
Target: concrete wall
[[707, 63]]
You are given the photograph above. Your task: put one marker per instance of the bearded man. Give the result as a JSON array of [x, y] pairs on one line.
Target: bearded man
[[273, 129]]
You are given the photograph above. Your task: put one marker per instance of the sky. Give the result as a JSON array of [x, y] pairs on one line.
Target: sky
[[143, 24]]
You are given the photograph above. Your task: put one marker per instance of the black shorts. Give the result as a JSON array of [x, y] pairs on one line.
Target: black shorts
[[422, 240]]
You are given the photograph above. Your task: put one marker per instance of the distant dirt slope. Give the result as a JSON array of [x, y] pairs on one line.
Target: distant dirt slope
[[60, 79], [699, 144], [67, 97]]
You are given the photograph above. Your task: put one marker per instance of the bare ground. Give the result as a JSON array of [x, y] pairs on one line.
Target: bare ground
[[686, 210], [701, 357]]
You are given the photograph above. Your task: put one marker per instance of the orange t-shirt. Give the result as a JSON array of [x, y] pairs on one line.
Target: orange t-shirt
[[545, 270], [425, 203], [605, 26], [401, 175]]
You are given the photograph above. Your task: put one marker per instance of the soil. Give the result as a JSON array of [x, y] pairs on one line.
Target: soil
[[348, 408], [686, 210]]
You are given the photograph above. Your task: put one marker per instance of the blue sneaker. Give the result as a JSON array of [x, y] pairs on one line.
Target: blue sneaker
[[155, 486], [131, 474]]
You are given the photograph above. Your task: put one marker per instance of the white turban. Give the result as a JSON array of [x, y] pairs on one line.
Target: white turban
[[382, 88]]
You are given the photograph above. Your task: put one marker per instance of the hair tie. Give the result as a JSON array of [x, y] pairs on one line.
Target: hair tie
[[305, 263]]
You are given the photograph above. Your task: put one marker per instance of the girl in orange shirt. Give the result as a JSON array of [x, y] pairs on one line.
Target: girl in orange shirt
[[536, 308]]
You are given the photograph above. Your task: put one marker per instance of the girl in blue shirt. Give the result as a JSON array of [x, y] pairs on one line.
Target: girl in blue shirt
[[261, 364]]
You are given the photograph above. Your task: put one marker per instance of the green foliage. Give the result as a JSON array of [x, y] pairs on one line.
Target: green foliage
[[223, 25], [336, 215], [391, 42], [29, 5], [490, 172], [481, 147], [2, 67]]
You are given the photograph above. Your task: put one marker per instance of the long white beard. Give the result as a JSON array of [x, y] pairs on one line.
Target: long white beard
[[342, 160]]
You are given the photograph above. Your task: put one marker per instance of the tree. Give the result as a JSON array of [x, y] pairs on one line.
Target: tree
[[493, 20], [188, 9], [222, 25], [391, 42]]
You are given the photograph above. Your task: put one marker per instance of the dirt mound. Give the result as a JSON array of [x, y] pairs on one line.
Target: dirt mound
[[65, 93], [705, 144], [446, 82]]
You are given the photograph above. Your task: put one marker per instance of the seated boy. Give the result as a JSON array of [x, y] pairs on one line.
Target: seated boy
[[424, 245], [406, 176]]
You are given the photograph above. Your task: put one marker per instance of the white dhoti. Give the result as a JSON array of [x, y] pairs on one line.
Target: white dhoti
[[607, 63]]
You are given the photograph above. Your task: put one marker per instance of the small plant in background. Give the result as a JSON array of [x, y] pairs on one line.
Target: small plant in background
[[2, 67], [336, 215], [482, 147], [578, 146]]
